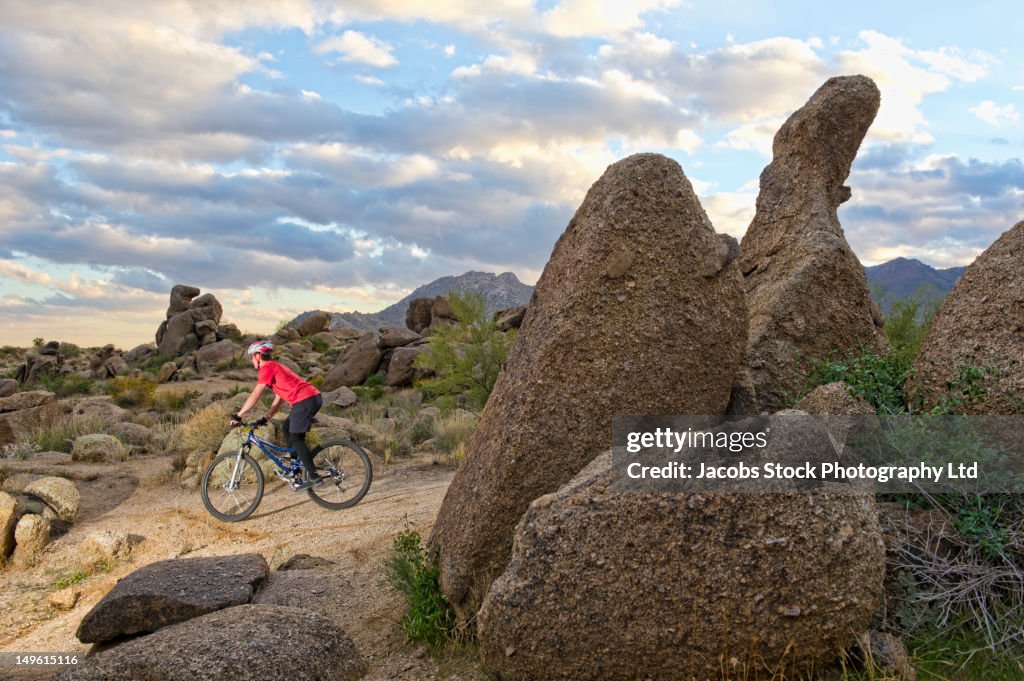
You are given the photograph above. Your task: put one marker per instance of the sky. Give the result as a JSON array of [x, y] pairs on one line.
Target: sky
[[289, 155]]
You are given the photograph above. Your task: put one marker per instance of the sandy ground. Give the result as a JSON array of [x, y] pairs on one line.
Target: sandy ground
[[172, 522]]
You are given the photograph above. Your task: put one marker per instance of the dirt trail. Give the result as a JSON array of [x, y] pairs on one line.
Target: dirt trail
[[129, 498]]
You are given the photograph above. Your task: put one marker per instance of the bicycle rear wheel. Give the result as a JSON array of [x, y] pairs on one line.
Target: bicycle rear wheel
[[347, 471], [231, 493]]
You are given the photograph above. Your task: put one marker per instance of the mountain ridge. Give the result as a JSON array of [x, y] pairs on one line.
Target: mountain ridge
[[499, 290]]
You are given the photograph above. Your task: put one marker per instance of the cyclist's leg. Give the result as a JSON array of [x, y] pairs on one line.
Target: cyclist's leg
[[298, 423]]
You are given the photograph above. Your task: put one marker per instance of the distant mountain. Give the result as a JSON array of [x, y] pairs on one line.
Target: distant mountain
[[905, 277], [499, 291]]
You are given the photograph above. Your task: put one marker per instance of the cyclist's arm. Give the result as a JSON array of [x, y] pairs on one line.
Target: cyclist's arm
[[274, 407], [254, 397]]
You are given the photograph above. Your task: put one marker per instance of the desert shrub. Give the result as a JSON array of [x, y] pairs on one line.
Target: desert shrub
[[69, 350], [451, 434], [465, 357], [414, 573], [205, 430], [877, 378], [175, 400], [18, 450], [369, 394], [319, 344], [421, 431], [65, 385], [61, 434], [155, 362], [317, 381], [374, 380], [132, 391]]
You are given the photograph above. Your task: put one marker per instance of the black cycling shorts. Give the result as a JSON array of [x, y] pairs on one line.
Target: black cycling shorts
[[300, 420]]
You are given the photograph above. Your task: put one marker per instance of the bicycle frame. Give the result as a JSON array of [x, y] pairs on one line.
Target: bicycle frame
[[268, 449]]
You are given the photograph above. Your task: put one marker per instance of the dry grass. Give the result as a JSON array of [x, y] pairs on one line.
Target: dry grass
[[204, 430]]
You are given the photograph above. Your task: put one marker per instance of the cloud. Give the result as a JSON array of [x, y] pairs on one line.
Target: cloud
[[359, 48], [996, 115], [905, 76], [943, 209], [577, 18]]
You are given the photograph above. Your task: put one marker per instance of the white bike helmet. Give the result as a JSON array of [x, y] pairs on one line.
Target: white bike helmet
[[260, 347]]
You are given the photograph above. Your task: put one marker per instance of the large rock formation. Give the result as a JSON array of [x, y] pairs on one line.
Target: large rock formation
[[980, 325], [806, 290], [266, 642], [639, 311], [610, 583], [192, 322]]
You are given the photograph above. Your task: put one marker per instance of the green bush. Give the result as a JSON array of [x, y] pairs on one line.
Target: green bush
[[65, 384], [132, 391], [69, 350], [465, 357], [414, 573]]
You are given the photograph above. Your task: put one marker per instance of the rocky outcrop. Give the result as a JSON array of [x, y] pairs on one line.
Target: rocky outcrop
[[24, 412], [211, 356], [693, 585], [424, 313], [39, 364], [981, 326], [640, 310], [192, 322], [395, 337], [316, 322], [510, 318], [402, 369], [172, 591], [59, 494], [266, 642], [806, 289], [8, 386], [356, 364], [107, 363]]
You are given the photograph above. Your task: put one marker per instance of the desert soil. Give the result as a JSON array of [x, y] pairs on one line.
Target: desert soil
[[135, 497]]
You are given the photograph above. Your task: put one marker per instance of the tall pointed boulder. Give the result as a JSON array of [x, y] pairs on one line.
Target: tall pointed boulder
[[640, 310], [806, 291]]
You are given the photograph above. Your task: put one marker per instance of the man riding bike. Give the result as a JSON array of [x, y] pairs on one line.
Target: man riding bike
[[304, 398]]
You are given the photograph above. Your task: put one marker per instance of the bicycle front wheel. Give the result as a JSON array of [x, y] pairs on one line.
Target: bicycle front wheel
[[232, 487], [347, 474]]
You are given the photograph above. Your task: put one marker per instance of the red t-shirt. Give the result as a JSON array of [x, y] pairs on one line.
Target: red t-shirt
[[285, 383]]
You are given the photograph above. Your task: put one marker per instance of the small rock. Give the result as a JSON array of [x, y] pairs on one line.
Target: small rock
[[30, 538], [107, 545], [59, 494], [65, 599], [98, 447], [8, 386]]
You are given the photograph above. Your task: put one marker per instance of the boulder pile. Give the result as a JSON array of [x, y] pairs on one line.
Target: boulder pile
[[192, 322], [27, 518]]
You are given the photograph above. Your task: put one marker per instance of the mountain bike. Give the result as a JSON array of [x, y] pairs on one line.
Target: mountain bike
[[232, 485]]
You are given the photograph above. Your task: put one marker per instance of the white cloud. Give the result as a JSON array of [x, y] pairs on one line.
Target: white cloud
[[360, 48], [370, 80], [996, 115], [449, 50], [905, 76], [577, 18]]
